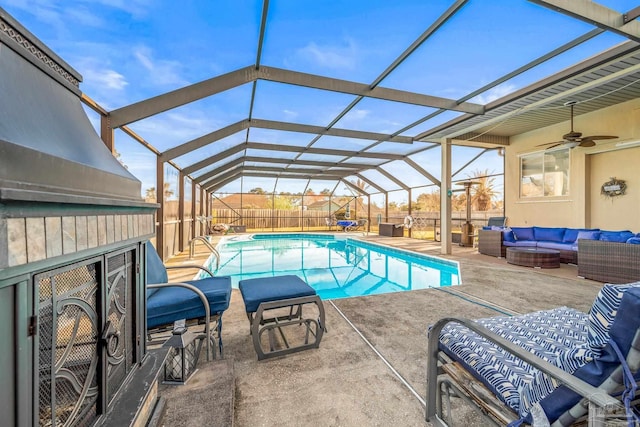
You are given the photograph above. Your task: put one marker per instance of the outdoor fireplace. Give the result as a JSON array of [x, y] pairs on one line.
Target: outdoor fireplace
[[72, 261]]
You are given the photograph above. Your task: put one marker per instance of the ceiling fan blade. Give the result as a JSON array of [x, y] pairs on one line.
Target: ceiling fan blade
[[554, 145], [600, 137], [551, 143], [587, 143]]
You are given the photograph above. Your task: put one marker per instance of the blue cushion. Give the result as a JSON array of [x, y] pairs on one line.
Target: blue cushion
[[544, 333], [255, 291], [174, 303], [622, 331], [507, 235], [588, 235], [571, 234], [156, 272], [603, 312], [523, 233], [634, 240], [616, 236], [521, 243], [551, 234], [556, 245]]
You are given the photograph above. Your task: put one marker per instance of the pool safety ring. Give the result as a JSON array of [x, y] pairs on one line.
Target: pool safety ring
[[408, 221]]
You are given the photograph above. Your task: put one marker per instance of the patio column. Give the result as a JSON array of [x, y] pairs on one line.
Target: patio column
[[194, 214], [160, 211], [445, 197], [409, 207], [181, 212], [386, 206]]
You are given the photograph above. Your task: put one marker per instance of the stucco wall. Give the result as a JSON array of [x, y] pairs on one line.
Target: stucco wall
[[583, 206]]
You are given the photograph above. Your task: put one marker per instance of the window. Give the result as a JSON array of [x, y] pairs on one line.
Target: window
[[545, 174]]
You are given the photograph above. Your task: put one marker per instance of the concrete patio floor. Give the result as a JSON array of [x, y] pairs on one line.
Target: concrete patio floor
[[350, 379]]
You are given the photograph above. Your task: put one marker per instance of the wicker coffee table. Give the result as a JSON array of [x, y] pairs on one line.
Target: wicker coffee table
[[534, 257]]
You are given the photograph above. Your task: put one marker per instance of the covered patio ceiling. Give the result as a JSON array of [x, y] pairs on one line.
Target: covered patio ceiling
[[583, 52]]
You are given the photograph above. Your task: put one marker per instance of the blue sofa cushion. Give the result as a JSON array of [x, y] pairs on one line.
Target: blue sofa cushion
[[265, 289], [616, 236], [507, 235], [174, 303], [551, 234], [634, 240], [556, 245], [571, 234], [521, 243], [588, 235], [523, 233]]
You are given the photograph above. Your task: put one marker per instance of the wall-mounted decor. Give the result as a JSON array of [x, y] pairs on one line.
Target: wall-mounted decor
[[613, 188]]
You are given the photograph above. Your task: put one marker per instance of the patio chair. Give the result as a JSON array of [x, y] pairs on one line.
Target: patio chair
[[197, 301], [497, 221], [356, 225], [549, 367], [330, 221]]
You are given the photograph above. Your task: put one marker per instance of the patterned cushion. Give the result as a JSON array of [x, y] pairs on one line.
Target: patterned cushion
[[542, 385], [602, 313], [544, 333]]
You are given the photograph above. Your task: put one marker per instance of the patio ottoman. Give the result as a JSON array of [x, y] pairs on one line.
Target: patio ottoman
[[284, 299]]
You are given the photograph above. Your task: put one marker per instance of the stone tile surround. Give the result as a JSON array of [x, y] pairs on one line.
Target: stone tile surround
[[35, 239]]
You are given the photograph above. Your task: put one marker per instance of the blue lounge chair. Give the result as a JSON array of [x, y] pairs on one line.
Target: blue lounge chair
[[201, 301], [550, 367]]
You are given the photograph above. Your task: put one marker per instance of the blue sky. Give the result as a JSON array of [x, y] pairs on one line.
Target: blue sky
[[130, 50]]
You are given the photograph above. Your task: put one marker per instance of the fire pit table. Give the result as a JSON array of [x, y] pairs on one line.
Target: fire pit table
[[534, 257]]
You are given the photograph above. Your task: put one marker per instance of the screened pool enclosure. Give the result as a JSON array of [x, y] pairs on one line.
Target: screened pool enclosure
[[378, 121]]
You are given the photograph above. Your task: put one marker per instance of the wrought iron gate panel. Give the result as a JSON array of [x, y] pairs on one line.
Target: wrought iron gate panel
[[120, 346], [68, 338]]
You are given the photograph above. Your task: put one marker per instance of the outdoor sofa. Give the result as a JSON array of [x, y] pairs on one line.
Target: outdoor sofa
[[607, 256]]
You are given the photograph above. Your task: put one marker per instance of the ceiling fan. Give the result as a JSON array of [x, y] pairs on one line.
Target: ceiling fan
[[575, 139]]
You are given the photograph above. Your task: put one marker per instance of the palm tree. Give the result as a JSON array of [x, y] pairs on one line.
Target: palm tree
[[482, 193]]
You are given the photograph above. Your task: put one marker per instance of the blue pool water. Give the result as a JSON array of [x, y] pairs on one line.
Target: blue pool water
[[335, 266]]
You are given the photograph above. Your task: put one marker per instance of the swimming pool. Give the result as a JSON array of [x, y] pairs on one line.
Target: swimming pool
[[335, 266]]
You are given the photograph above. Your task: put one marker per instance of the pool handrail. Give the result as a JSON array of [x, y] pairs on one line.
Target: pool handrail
[[208, 244]]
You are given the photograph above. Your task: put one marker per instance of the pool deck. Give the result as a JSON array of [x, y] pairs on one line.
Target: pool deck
[[348, 380]]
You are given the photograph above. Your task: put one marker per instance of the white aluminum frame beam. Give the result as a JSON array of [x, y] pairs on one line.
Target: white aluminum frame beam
[[596, 14], [216, 135], [364, 90]]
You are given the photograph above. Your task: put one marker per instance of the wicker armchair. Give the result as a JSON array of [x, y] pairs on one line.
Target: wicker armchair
[[490, 243], [609, 262]]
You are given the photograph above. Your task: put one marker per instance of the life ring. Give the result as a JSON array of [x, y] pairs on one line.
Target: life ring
[[408, 221]]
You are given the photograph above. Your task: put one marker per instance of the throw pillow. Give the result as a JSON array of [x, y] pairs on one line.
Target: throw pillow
[[616, 236], [509, 236], [588, 235], [634, 240]]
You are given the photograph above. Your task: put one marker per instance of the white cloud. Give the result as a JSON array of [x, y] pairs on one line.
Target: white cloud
[[161, 72], [82, 16], [493, 94], [106, 79], [337, 57], [290, 114]]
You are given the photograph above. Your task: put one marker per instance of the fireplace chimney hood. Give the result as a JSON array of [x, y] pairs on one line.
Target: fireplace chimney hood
[[49, 151]]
